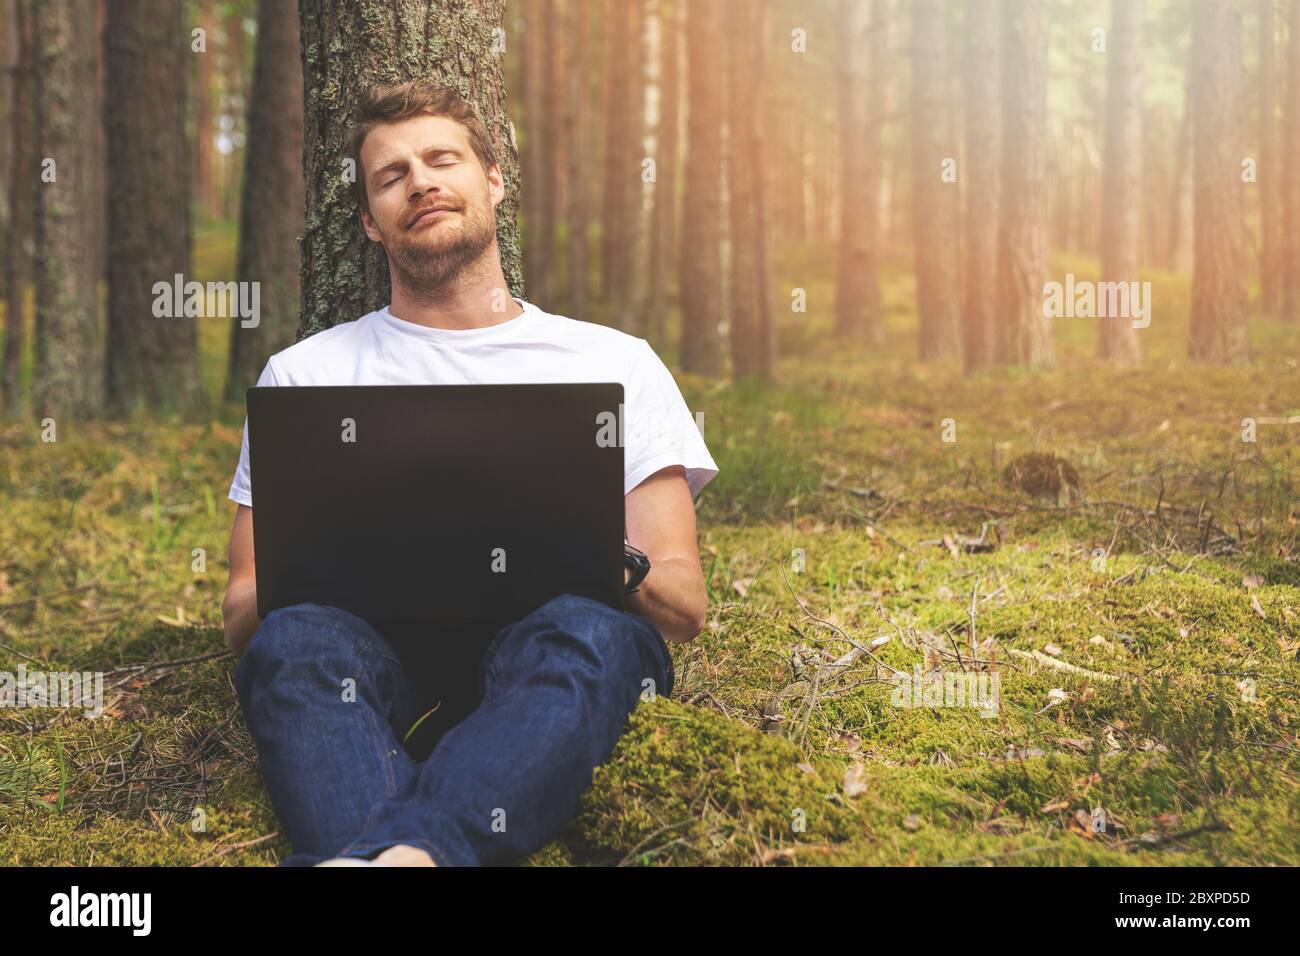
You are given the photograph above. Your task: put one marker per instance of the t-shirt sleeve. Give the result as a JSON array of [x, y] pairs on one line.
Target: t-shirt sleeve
[[241, 487], [660, 430]]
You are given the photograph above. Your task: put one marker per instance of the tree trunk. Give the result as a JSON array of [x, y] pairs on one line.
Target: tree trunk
[[701, 253], [553, 81], [765, 334], [22, 162], [578, 135], [153, 362], [857, 302], [1218, 331], [272, 215], [1117, 339], [1026, 334], [69, 375], [622, 155], [533, 153], [347, 47], [663, 218], [936, 236], [1271, 173], [748, 286], [980, 185], [1291, 147], [205, 173]]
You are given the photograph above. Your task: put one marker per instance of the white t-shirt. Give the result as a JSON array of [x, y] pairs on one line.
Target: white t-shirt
[[536, 346]]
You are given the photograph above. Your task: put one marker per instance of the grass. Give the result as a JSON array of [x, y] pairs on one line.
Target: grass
[[1144, 636]]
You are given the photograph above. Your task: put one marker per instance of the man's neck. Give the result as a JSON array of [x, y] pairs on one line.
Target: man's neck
[[468, 301]]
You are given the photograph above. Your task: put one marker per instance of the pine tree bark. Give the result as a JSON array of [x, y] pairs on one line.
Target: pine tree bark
[[701, 253], [69, 373], [22, 173], [980, 228], [152, 362], [1271, 172], [936, 235], [346, 48], [1025, 334], [857, 299], [1291, 146], [1218, 328], [271, 218], [1117, 339]]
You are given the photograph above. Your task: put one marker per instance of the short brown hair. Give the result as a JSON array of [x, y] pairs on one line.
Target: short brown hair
[[402, 101]]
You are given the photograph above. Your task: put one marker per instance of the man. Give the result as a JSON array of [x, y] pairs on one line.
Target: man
[[521, 712]]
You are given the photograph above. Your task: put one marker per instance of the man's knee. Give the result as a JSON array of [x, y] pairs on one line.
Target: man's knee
[[612, 644], [313, 634]]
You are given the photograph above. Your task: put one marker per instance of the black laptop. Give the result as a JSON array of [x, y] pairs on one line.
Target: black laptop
[[436, 504]]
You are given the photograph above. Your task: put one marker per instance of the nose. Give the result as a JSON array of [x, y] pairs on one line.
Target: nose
[[423, 180]]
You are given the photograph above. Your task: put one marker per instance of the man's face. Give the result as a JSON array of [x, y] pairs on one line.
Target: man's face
[[432, 206]]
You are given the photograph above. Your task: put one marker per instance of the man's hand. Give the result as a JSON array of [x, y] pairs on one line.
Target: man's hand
[[660, 519], [239, 609]]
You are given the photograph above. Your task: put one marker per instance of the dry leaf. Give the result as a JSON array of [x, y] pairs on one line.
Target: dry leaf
[[855, 780]]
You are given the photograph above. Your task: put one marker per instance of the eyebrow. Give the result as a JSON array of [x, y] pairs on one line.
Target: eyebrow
[[401, 163]]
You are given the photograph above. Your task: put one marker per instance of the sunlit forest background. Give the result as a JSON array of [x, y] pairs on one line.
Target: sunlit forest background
[[989, 311]]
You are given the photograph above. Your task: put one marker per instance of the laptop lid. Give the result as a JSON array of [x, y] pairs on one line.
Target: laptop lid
[[436, 503]]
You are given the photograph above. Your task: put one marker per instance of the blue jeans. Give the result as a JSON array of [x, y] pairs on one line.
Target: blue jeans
[[525, 717]]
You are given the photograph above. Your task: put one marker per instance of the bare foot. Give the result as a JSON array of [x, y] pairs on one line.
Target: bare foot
[[403, 855]]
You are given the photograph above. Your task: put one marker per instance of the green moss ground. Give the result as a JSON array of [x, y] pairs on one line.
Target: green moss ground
[[1172, 587]]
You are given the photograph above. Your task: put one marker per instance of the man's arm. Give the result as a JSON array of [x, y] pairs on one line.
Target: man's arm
[[239, 609], [660, 519]]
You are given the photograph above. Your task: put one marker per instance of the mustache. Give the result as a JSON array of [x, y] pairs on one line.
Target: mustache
[[426, 207]]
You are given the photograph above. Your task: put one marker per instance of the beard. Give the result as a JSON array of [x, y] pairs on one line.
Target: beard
[[427, 255]]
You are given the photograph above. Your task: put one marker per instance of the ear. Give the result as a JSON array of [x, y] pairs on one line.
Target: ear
[[368, 224], [496, 185]]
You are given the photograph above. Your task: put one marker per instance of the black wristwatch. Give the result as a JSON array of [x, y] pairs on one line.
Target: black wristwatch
[[638, 562]]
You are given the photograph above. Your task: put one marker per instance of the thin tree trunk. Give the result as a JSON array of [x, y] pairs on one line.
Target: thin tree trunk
[[537, 123], [936, 235], [980, 239], [622, 171], [153, 362], [1218, 329], [22, 172], [765, 333], [701, 253], [205, 174], [1117, 339], [272, 215], [69, 376], [578, 135], [857, 300], [1291, 147], [1271, 172], [743, 79], [663, 217], [347, 47], [1026, 334]]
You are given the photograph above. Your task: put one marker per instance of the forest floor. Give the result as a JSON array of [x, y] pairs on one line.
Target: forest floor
[[1137, 638]]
